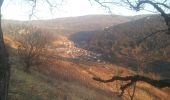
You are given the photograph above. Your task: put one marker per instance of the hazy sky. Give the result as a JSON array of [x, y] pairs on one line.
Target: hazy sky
[[20, 9]]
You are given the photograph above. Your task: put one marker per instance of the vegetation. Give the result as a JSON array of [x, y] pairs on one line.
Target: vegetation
[[32, 43], [138, 5], [37, 86], [63, 67], [32, 47]]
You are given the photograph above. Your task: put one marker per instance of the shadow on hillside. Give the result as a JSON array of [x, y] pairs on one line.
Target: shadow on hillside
[[161, 68], [82, 38]]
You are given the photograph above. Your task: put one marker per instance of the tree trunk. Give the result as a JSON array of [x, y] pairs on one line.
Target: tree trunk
[[27, 66], [4, 65]]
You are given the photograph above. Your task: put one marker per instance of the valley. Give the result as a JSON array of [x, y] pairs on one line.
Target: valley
[[79, 51]]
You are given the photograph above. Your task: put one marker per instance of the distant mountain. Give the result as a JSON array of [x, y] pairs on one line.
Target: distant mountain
[[82, 23], [79, 29], [134, 31], [77, 24]]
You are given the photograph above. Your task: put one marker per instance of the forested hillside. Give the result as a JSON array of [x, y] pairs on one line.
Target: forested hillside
[[143, 39]]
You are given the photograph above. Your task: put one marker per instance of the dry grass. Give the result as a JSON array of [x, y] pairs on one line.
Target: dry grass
[[36, 86], [9, 40], [69, 80], [83, 74]]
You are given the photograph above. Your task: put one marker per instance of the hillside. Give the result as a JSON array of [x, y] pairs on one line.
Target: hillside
[[79, 29], [37, 86], [68, 76], [69, 69], [122, 40], [82, 23], [54, 81], [75, 25]]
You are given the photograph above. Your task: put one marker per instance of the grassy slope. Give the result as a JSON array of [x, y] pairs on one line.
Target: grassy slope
[[36, 86], [72, 81]]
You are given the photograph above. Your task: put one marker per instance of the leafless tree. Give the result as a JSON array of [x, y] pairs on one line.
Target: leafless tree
[[4, 65], [32, 46]]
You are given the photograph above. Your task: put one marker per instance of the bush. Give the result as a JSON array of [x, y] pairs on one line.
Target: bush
[[31, 49]]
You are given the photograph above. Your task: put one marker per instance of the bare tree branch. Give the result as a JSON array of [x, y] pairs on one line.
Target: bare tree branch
[[34, 3], [162, 4], [164, 1], [105, 6], [155, 5], [123, 88], [138, 5], [52, 4], [136, 78]]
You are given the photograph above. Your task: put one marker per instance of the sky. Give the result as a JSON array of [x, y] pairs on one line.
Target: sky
[[20, 10]]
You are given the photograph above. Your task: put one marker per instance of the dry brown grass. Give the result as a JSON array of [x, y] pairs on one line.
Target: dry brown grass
[[10, 41], [37, 86], [60, 79]]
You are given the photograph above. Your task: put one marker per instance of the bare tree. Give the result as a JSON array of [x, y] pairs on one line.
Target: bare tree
[[32, 46], [162, 7], [4, 65]]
